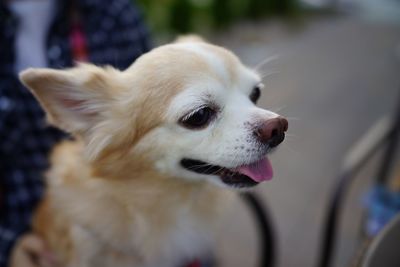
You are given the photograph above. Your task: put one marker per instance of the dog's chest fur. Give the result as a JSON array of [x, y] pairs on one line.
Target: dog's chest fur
[[148, 222], [182, 242]]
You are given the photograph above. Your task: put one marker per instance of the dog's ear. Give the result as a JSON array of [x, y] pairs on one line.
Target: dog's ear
[[74, 99]]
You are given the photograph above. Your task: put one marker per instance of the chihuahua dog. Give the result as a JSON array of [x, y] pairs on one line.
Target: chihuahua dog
[[157, 149]]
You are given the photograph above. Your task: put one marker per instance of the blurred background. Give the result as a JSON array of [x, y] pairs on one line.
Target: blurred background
[[336, 75]]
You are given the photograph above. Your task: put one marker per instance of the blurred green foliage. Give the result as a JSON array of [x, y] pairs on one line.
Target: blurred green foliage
[[183, 16]]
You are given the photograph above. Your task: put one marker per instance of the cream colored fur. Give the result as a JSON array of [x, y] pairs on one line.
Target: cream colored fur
[[117, 196]]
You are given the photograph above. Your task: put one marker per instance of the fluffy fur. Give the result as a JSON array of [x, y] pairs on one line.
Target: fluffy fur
[[117, 195]]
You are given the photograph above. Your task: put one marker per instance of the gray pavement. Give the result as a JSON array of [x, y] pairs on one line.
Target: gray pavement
[[336, 77]]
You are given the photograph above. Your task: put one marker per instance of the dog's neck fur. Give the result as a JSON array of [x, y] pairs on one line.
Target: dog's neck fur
[[137, 213]]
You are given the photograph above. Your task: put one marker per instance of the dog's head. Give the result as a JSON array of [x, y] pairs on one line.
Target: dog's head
[[186, 110]]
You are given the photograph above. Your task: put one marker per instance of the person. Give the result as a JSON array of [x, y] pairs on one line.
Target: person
[[55, 34]]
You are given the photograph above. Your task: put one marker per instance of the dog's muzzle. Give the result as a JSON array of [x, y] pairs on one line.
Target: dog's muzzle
[[270, 133]]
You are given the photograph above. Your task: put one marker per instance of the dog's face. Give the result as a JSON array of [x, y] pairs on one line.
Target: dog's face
[[185, 110]]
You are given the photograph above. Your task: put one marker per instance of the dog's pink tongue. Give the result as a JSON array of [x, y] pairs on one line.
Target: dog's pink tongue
[[258, 171]]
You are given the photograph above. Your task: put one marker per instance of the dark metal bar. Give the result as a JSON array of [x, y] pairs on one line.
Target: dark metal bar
[[390, 153], [266, 230], [332, 217], [331, 221]]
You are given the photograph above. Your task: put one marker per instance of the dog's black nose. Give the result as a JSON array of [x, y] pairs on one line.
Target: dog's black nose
[[272, 131]]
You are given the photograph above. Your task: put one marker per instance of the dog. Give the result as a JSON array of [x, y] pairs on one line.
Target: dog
[[157, 150]]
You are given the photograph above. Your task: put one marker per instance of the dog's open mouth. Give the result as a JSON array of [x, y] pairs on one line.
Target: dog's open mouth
[[241, 176]]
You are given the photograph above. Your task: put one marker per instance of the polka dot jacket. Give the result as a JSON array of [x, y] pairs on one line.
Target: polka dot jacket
[[113, 34]]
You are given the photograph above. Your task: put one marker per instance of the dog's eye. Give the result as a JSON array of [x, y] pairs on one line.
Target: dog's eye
[[256, 93], [198, 119]]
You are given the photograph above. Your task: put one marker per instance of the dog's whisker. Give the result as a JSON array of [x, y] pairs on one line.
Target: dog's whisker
[[217, 171], [289, 148], [209, 168], [234, 160], [292, 118], [290, 135], [196, 167], [237, 161], [201, 165], [267, 74], [265, 61], [278, 110]]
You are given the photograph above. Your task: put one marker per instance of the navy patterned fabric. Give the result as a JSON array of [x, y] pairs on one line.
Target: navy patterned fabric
[[115, 35]]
